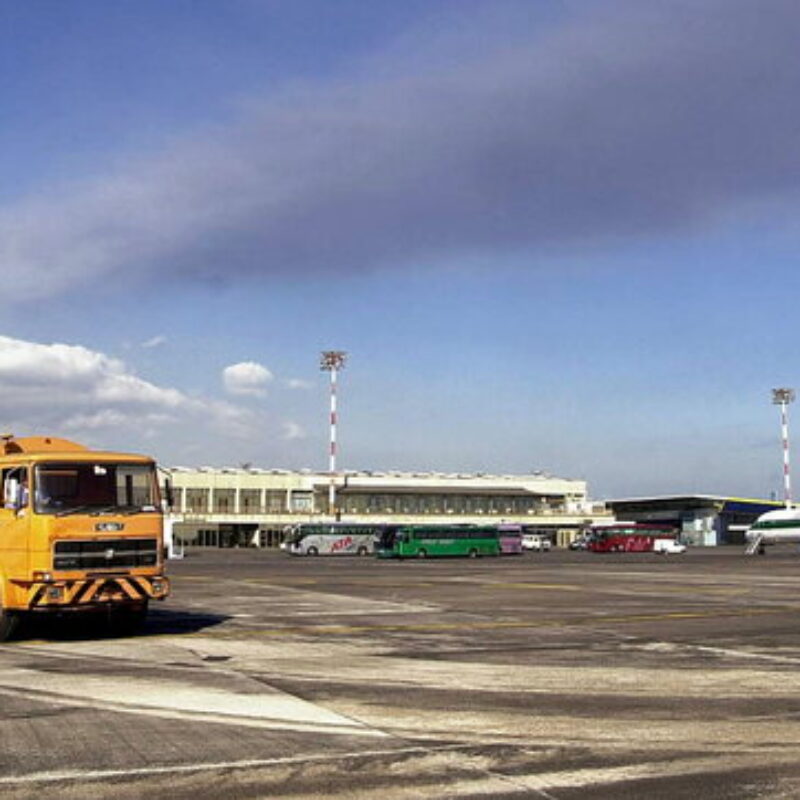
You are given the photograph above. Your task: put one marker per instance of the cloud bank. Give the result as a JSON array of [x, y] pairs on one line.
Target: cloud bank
[[628, 119]]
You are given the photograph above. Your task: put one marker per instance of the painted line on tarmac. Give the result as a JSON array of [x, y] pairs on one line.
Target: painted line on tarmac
[[672, 647], [431, 627], [564, 587], [169, 698], [483, 783], [434, 627], [55, 776]]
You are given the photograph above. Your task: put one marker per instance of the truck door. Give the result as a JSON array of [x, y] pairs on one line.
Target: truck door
[[15, 522]]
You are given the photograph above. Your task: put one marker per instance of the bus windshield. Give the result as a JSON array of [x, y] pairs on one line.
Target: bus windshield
[[63, 488]]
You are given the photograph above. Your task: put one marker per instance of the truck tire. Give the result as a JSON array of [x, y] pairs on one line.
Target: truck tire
[[362, 551], [422, 553], [473, 553], [9, 620], [312, 551]]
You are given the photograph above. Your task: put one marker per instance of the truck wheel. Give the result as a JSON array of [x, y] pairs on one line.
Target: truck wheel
[[362, 551], [312, 551], [422, 553], [8, 624], [473, 553]]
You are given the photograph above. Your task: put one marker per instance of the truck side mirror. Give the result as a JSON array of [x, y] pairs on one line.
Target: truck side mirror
[[168, 493], [11, 493]]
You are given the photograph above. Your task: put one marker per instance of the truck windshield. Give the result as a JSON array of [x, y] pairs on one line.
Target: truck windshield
[[98, 487]]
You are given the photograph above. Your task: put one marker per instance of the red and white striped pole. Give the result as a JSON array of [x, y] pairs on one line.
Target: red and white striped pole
[[332, 464], [332, 361], [783, 397]]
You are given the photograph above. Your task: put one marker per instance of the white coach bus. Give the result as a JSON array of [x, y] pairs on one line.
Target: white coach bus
[[331, 539]]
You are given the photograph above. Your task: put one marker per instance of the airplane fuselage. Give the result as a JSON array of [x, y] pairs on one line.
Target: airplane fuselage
[[782, 525]]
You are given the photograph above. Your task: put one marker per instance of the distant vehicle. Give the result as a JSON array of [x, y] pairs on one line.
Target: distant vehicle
[[331, 539], [667, 546], [509, 537], [423, 541], [774, 527], [579, 543], [630, 538], [536, 542]]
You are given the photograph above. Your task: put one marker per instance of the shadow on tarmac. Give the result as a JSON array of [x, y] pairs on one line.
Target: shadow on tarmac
[[104, 625]]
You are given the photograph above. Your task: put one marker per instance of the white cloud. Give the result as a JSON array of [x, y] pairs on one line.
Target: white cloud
[[155, 341], [114, 419], [47, 388], [77, 375], [292, 430], [69, 390], [246, 378], [298, 383]]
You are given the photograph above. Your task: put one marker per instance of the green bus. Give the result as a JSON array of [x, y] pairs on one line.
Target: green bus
[[423, 541]]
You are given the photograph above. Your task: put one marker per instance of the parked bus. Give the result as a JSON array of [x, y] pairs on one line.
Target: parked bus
[[509, 536], [422, 541], [331, 539], [632, 538]]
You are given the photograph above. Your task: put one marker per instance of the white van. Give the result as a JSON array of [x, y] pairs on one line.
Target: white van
[[536, 542], [665, 546]]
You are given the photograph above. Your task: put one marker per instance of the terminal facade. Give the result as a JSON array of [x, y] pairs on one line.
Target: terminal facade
[[256, 507]]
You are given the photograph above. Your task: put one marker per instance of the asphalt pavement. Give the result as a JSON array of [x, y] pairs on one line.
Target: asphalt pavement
[[549, 675]]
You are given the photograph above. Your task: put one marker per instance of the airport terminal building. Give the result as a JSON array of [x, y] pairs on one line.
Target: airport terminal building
[[254, 507]]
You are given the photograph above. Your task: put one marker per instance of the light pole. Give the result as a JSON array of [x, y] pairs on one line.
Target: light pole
[[332, 361], [782, 398]]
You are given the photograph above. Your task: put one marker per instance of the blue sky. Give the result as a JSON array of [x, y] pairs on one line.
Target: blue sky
[[556, 235]]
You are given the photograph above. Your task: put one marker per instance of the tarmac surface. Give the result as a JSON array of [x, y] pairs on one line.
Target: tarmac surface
[[550, 675]]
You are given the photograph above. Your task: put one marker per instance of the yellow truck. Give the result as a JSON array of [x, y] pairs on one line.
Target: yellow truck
[[80, 530]]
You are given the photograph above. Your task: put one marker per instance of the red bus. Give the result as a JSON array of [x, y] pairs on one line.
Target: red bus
[[630, 538]]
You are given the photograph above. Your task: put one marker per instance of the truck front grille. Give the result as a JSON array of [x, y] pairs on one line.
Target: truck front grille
[[105, 553]]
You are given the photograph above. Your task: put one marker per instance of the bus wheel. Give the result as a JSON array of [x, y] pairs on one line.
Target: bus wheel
[[362, 551], [8, 624], [312, 551], [422, 553], [473, 553]]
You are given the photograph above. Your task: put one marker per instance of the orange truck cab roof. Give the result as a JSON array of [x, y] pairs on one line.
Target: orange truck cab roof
[[50, 446]]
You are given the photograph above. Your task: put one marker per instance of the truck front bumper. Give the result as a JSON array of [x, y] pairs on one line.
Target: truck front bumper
[[96, 591]]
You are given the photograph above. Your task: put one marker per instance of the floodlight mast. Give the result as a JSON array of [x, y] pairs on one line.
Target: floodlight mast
[[332, 361], [782, 398]]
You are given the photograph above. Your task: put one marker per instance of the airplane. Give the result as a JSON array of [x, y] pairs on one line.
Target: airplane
[[774, 527]]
